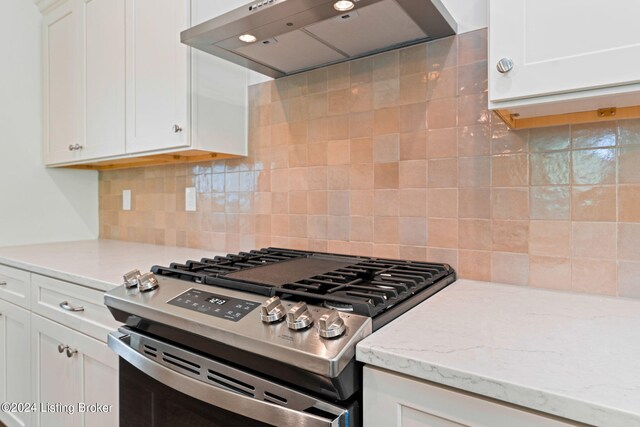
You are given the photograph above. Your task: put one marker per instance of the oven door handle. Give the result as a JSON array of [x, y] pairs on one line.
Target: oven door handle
[[257, 410]]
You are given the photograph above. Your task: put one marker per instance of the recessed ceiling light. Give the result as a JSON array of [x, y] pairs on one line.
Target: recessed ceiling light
[[343, 5], [248, 38]]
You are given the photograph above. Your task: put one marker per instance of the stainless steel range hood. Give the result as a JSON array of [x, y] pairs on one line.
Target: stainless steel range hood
[[292, 36]]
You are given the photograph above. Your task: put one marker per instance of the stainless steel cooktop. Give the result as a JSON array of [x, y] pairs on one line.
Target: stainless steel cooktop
[[299, 308]]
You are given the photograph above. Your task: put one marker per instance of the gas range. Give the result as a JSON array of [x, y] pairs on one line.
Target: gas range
[[288, 316], [365, 286]]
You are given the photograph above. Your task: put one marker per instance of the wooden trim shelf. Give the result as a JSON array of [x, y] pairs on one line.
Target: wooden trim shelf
[[187, 156], [601, 115]]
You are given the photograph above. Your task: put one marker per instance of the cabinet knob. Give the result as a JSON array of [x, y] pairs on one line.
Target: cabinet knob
[[505, 65], [62, 348], [177, 128], [71, 352]]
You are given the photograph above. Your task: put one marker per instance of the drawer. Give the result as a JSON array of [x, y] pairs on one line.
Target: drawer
[[75, 306], [14, 286]]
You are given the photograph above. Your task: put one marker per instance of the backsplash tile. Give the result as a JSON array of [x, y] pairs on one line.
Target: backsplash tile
[[397, 156]]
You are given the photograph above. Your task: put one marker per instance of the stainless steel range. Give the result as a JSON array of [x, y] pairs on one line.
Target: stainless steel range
[[264, 338]]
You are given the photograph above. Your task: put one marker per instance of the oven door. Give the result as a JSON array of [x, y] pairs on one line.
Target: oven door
[[165, 385]]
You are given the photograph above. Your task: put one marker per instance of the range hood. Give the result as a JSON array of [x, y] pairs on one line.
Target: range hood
[[284, 37]]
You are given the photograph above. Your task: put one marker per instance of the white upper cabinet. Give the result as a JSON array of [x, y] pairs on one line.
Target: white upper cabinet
[[157, 75], [563, 56], [104, 77], [62, 59], [219, 111], [121, 88]]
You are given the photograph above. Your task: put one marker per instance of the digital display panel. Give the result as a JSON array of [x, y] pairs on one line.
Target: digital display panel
[[214, 305]]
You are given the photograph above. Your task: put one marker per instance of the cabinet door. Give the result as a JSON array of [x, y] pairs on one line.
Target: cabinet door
[[562, 46], [218, 92], [395, 400], [88, 375], [15, 375], [157, 75], [104, 76], [98, 375], [56, 376], [62, 83]]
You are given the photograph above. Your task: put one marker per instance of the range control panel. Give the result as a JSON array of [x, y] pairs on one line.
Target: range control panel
[[214, 305]]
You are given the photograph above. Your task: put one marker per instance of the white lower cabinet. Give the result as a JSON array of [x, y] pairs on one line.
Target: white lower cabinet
[[396, 400], [55, 367], [15, 375], [71, 370]]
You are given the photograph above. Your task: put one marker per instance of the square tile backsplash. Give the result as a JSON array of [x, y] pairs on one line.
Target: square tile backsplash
[[396, 155]]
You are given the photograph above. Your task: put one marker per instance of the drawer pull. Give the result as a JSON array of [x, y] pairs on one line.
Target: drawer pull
[[66, 306], [3, 283]]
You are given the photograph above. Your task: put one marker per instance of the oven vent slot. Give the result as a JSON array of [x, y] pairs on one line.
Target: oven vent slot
[[151, 351], [229, 386], [181, 363], [231, 383], [274, 398]]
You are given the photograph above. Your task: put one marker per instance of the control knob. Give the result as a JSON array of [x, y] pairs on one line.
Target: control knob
[[272, 310], [299, 317], [147, 282], [131, 279], [331, 325]]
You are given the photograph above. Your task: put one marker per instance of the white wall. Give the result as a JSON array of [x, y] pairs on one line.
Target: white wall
[[469, 14], [36, 204]]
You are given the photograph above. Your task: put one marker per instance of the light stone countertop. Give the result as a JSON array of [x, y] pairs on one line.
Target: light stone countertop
[[98, 264], [571, 355]]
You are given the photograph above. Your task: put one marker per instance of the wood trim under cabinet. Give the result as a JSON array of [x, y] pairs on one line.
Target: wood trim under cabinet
[[602, 115], [188, 156]]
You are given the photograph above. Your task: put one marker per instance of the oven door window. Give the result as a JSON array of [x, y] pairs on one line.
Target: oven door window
[[145, 402]]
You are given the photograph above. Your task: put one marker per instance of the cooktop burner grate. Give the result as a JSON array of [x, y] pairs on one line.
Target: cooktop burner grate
[[361, 285]]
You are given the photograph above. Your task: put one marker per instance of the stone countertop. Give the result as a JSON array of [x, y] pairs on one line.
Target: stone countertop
[[97, 264], [571, 355]]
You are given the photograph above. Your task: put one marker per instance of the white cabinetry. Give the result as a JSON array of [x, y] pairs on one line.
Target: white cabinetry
[[219, 89], [15, 375], [84, 80], [104, 77], [15, 286], [396, 400], [62, 61], [120, 88], [568, 57], [157, 75], [55, 353], [71, 369]]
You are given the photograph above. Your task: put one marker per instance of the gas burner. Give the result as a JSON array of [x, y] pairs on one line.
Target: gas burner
[[347, 308], [360, 285]]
